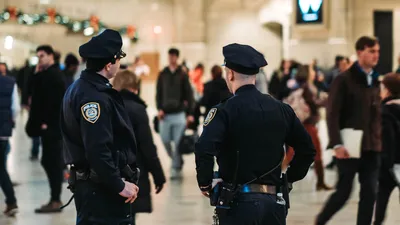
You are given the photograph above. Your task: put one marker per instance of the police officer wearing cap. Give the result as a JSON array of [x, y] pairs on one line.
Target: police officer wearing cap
[[99, 141], [246, 133]]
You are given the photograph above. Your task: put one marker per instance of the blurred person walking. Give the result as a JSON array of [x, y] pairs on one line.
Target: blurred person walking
[[215, 90], [306, 102], [278, 87], [390, 94], [127, 84], [71, 67], [354, 105], [44, 121], [9, 108], [175, 104]]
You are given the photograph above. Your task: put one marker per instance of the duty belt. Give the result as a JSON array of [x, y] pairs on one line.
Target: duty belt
[[258, 188]]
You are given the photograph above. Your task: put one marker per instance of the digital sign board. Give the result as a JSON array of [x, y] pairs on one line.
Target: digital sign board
[[309, 11]]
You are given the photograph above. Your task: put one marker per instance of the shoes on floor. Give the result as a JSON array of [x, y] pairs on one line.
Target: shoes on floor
[[34, 158], [323, 187], [11, 210], [176, 174], [51, 207]]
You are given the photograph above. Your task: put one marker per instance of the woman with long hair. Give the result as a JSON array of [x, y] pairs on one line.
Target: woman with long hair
[[306, 102]]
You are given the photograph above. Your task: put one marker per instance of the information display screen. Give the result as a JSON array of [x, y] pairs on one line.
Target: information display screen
[[309, 11]]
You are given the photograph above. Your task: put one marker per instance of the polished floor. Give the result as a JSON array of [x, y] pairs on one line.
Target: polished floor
[[180, 203]]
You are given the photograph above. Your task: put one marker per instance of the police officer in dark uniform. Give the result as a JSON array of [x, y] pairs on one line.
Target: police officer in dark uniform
[[247, 133], [99, 141]]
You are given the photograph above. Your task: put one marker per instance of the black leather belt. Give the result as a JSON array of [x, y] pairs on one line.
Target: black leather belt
[[258, 188]]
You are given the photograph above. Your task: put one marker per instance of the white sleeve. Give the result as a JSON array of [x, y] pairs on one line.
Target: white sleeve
[[15, 107]]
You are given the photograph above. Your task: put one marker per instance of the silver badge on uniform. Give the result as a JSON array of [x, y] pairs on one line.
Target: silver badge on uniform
[[210, 116], [91, 111]]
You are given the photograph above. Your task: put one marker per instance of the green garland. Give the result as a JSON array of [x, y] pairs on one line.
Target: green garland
[[73, 26]]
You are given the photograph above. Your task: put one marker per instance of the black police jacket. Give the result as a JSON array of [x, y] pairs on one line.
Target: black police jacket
[[96, 129], [248, 132]]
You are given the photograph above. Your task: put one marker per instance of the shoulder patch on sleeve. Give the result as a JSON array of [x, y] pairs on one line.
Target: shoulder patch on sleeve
[[91, 111], [210, 116]]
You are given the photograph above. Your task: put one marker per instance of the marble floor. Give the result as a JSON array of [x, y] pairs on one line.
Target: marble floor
[[180, 203]]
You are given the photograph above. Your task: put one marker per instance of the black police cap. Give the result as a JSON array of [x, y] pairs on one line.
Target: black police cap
[[106, 45], [243, 59]]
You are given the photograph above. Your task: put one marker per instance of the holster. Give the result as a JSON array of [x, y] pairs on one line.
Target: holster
[[72, 180], [222, 195], [286, 188], [131, 175]]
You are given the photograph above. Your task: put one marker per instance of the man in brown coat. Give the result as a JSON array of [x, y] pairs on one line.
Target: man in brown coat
[[354, 103]]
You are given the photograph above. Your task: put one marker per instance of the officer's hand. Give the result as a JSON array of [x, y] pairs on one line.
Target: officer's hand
[[159, 188], [342, 153], [161, 115], [130, 192]]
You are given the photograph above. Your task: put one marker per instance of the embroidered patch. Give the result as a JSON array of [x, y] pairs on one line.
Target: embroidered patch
[[91, 111], [210, 116]]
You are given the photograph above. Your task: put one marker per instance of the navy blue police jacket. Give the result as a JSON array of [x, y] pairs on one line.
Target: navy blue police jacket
[[246, 133], [97, 133]]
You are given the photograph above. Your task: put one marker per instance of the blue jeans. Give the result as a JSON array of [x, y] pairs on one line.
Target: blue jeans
[[171, 130], [254, 209], [5, 181]]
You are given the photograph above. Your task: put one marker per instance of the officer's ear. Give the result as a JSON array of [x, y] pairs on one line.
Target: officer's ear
[[108, 67], [230, 75]]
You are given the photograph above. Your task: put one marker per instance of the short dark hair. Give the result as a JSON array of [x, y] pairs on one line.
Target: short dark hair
[[200, 66], [392, 82], [71, 60], [97, 65], [366, 41], [338, 58], [173, 51], [57, 57], [216, 72], [46, 48]]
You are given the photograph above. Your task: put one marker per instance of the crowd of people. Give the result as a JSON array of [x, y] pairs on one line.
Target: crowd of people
[[349, 91]]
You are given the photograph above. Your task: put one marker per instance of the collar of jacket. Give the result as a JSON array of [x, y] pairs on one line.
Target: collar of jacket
[[101, 83], [359, 74], [167, 70], [132, 96], [245, 88], [51, 68]]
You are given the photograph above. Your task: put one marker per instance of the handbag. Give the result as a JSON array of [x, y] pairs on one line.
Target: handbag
[[156, 124], [188, 141]]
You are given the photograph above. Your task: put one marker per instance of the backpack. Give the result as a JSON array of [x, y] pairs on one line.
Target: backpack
[[298, 104]]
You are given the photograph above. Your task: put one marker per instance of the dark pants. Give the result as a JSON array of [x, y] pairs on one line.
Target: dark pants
[[386, 186], [254, 209], [96, 205], [368, 168], [5, 181], [35, 146], [53, 164]]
